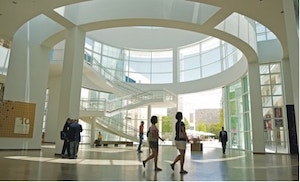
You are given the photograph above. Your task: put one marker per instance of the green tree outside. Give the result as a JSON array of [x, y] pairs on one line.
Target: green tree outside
[[167, 124], [201, 126]]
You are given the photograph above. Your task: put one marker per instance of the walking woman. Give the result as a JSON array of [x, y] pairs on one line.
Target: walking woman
[[153, 142], [180, 141]]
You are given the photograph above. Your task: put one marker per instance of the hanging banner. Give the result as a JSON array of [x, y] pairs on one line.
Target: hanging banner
[[16, 119]]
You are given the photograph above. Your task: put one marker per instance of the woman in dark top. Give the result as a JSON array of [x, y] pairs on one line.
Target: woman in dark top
[[180, 141]]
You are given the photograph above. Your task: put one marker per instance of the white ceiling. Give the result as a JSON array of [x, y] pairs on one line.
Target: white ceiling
[[146, 37], [267, 12]]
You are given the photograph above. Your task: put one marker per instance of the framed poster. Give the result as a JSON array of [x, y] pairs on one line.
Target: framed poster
[[278, 112], [16, 119], [278, 123]]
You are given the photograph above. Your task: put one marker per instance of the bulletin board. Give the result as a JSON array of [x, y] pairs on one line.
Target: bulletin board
[[16, 119]]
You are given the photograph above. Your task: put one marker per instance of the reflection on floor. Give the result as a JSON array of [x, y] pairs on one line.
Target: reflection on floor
[[124, 164]]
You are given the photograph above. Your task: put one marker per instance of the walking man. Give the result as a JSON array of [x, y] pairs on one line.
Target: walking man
[[223, 139], [141, 135]]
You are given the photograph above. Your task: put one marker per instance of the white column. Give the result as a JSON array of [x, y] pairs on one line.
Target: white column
[[69, 99], [93, 131], [288, 83], [175, 66], [293, 47], [26, 81], [149, 114], [52, 109], [256, 109]]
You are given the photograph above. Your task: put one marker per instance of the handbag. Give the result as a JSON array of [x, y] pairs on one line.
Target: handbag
[[63, 135]]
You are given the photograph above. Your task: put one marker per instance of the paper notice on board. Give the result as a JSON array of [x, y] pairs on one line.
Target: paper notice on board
[[21, 125]]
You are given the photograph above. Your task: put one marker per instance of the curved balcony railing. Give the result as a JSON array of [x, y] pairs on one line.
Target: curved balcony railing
[[92, 104]]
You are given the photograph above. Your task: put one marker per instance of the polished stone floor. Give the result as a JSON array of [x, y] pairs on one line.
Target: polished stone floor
[[124, 164]]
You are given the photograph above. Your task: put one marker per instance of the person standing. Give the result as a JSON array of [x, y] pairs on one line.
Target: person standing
[[66, 145], [99, 138], [74, 137], [180, 142], [153, 142], [223, 139], [141, 135]]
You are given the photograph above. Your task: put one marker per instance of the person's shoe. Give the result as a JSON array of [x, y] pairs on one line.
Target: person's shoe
[[144, 163], [157, 169], [172, 166], [183, 172], [139, 151]]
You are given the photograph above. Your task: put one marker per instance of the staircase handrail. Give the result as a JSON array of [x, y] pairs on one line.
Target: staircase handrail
[[119, 126], [121, 102], [92, 104]]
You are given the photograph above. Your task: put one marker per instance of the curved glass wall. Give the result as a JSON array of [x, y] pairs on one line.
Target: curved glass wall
[[238, 121], [132, 66], [206, 58], [202, 59]]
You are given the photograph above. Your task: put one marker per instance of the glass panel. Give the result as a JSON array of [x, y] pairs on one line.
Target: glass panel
[[260, 28], [210, 44], [261, 37], [162, 78], [140, 77], [96, 58], [137, 66], [210, 57], [265, 79], [88, 43], [246, 103], [275, 68], [278, 100], [271, 35], [245, 84], [211, 69], [97, 47], [190, 75], [109, 62], [162, 67], [162, 55], [190, 63], [275, 78], [230, 49], [264, 69], [189, 51], [276, 90], [112, 51], [232, 107], [267, 101], [230, 59], [266, 90], [268, 112]]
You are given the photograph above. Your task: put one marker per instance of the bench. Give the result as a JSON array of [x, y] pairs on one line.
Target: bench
[[117, 143]]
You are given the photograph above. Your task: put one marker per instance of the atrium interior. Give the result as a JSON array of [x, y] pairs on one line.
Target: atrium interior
[[114, 63]]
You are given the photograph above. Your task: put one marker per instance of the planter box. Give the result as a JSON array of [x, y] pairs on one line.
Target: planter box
[[197, 146]]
